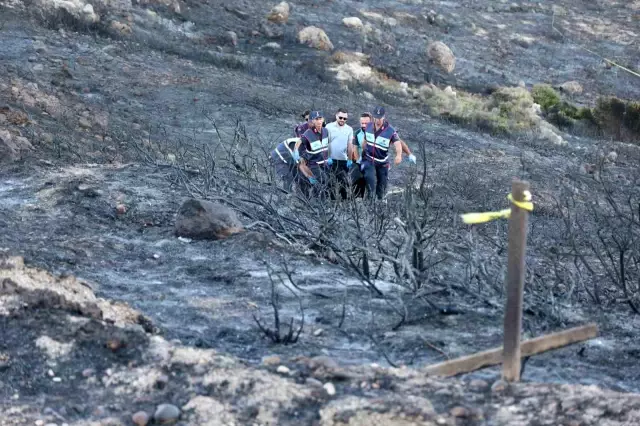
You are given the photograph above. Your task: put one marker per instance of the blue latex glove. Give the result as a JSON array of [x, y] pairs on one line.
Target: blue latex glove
[[329, 161], [296, 156], [412, 159], [349, 164], [313, 180]]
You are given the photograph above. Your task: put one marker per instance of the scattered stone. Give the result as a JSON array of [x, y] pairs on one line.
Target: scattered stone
[[459, 412], [324, 361], [121, 209], [318, 332], [57, 379], [316, 38], [39, 422], [200, 219], [39, 46], [84, 123], [271, 360], [162, 381], [571, 87], [53, 348], [440, 54], [499, 386], [612, 157], [140, 418], [449, 91], [12, 146], [313, 382], [330, 388], [232, 38], [280, 13], [282, 369], [166, 413], [272, 45], [38, 68], [50, 373], [523, 41], [88, 372], [353, 22], [120, 27], [478, 384]]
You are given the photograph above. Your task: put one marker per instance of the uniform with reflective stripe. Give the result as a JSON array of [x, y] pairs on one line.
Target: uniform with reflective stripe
[[377, 147], [316, 146], [284, 150]]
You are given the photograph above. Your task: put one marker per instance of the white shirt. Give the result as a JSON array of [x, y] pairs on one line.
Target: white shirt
[[339, 137]]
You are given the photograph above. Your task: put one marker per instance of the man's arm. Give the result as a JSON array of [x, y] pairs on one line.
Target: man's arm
[[405, 148], [350, 144], [398, 147], [304, 169]]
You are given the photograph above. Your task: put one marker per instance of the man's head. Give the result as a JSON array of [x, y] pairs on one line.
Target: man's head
[[378, 116], [365, 119], [305, 115], [316, 118], [341, 117]]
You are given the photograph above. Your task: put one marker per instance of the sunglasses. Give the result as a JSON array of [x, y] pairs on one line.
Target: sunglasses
[[342, 118]]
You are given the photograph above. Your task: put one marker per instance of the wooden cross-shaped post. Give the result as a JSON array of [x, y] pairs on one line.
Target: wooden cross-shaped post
[[515, 284]]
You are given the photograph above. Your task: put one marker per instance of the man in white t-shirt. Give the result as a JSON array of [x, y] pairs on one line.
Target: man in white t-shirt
[[340, 152]]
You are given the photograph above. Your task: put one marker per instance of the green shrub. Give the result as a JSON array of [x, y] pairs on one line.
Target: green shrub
[[545, 96]]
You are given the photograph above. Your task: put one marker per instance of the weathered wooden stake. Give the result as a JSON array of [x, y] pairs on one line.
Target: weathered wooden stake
[[515, 284], [530, 347]]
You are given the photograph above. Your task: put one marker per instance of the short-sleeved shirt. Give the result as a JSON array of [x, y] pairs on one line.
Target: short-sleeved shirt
[[339, 138]]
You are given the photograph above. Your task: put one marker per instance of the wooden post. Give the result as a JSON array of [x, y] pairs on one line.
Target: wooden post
[[515, 284], [530, 347]]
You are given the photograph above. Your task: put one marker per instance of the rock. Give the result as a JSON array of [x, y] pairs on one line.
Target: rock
[[88, 372], [84, 122], [499, 386], [200, 219], [280, 13], [440, 54], [272, 46], [39, 46], [323, 361], [523, 41], [166, 413], [315, 37], [330, 388], [121, 209], [271, 360], [38, 68], [449, 91], [571, 87], [120, 28], [612, 157], [11, 146], [353, 22], [140, 418], [231, 37], [459, 412], [313, 382], [478, 384], [282, 369]]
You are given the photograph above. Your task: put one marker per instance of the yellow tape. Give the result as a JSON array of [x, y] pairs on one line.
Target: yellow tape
[[474, 218]]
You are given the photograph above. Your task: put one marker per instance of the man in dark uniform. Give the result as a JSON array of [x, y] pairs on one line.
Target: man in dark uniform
[[302, 127], [284, 163], [357, 177], [314, 149], [378, 137]]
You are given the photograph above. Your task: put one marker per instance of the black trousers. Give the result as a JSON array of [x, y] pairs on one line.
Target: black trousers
[[376, 176], [339, 179]]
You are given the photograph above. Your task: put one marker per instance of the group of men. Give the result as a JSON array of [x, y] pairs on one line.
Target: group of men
[[333, 159]]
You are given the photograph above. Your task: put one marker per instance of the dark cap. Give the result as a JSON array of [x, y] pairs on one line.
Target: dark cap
[[315, 114], [378, 112]]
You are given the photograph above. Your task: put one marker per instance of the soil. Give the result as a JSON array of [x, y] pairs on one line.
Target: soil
[[101, 98]]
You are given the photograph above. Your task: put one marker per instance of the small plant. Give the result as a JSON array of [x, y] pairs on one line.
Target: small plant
[[545, 96]]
